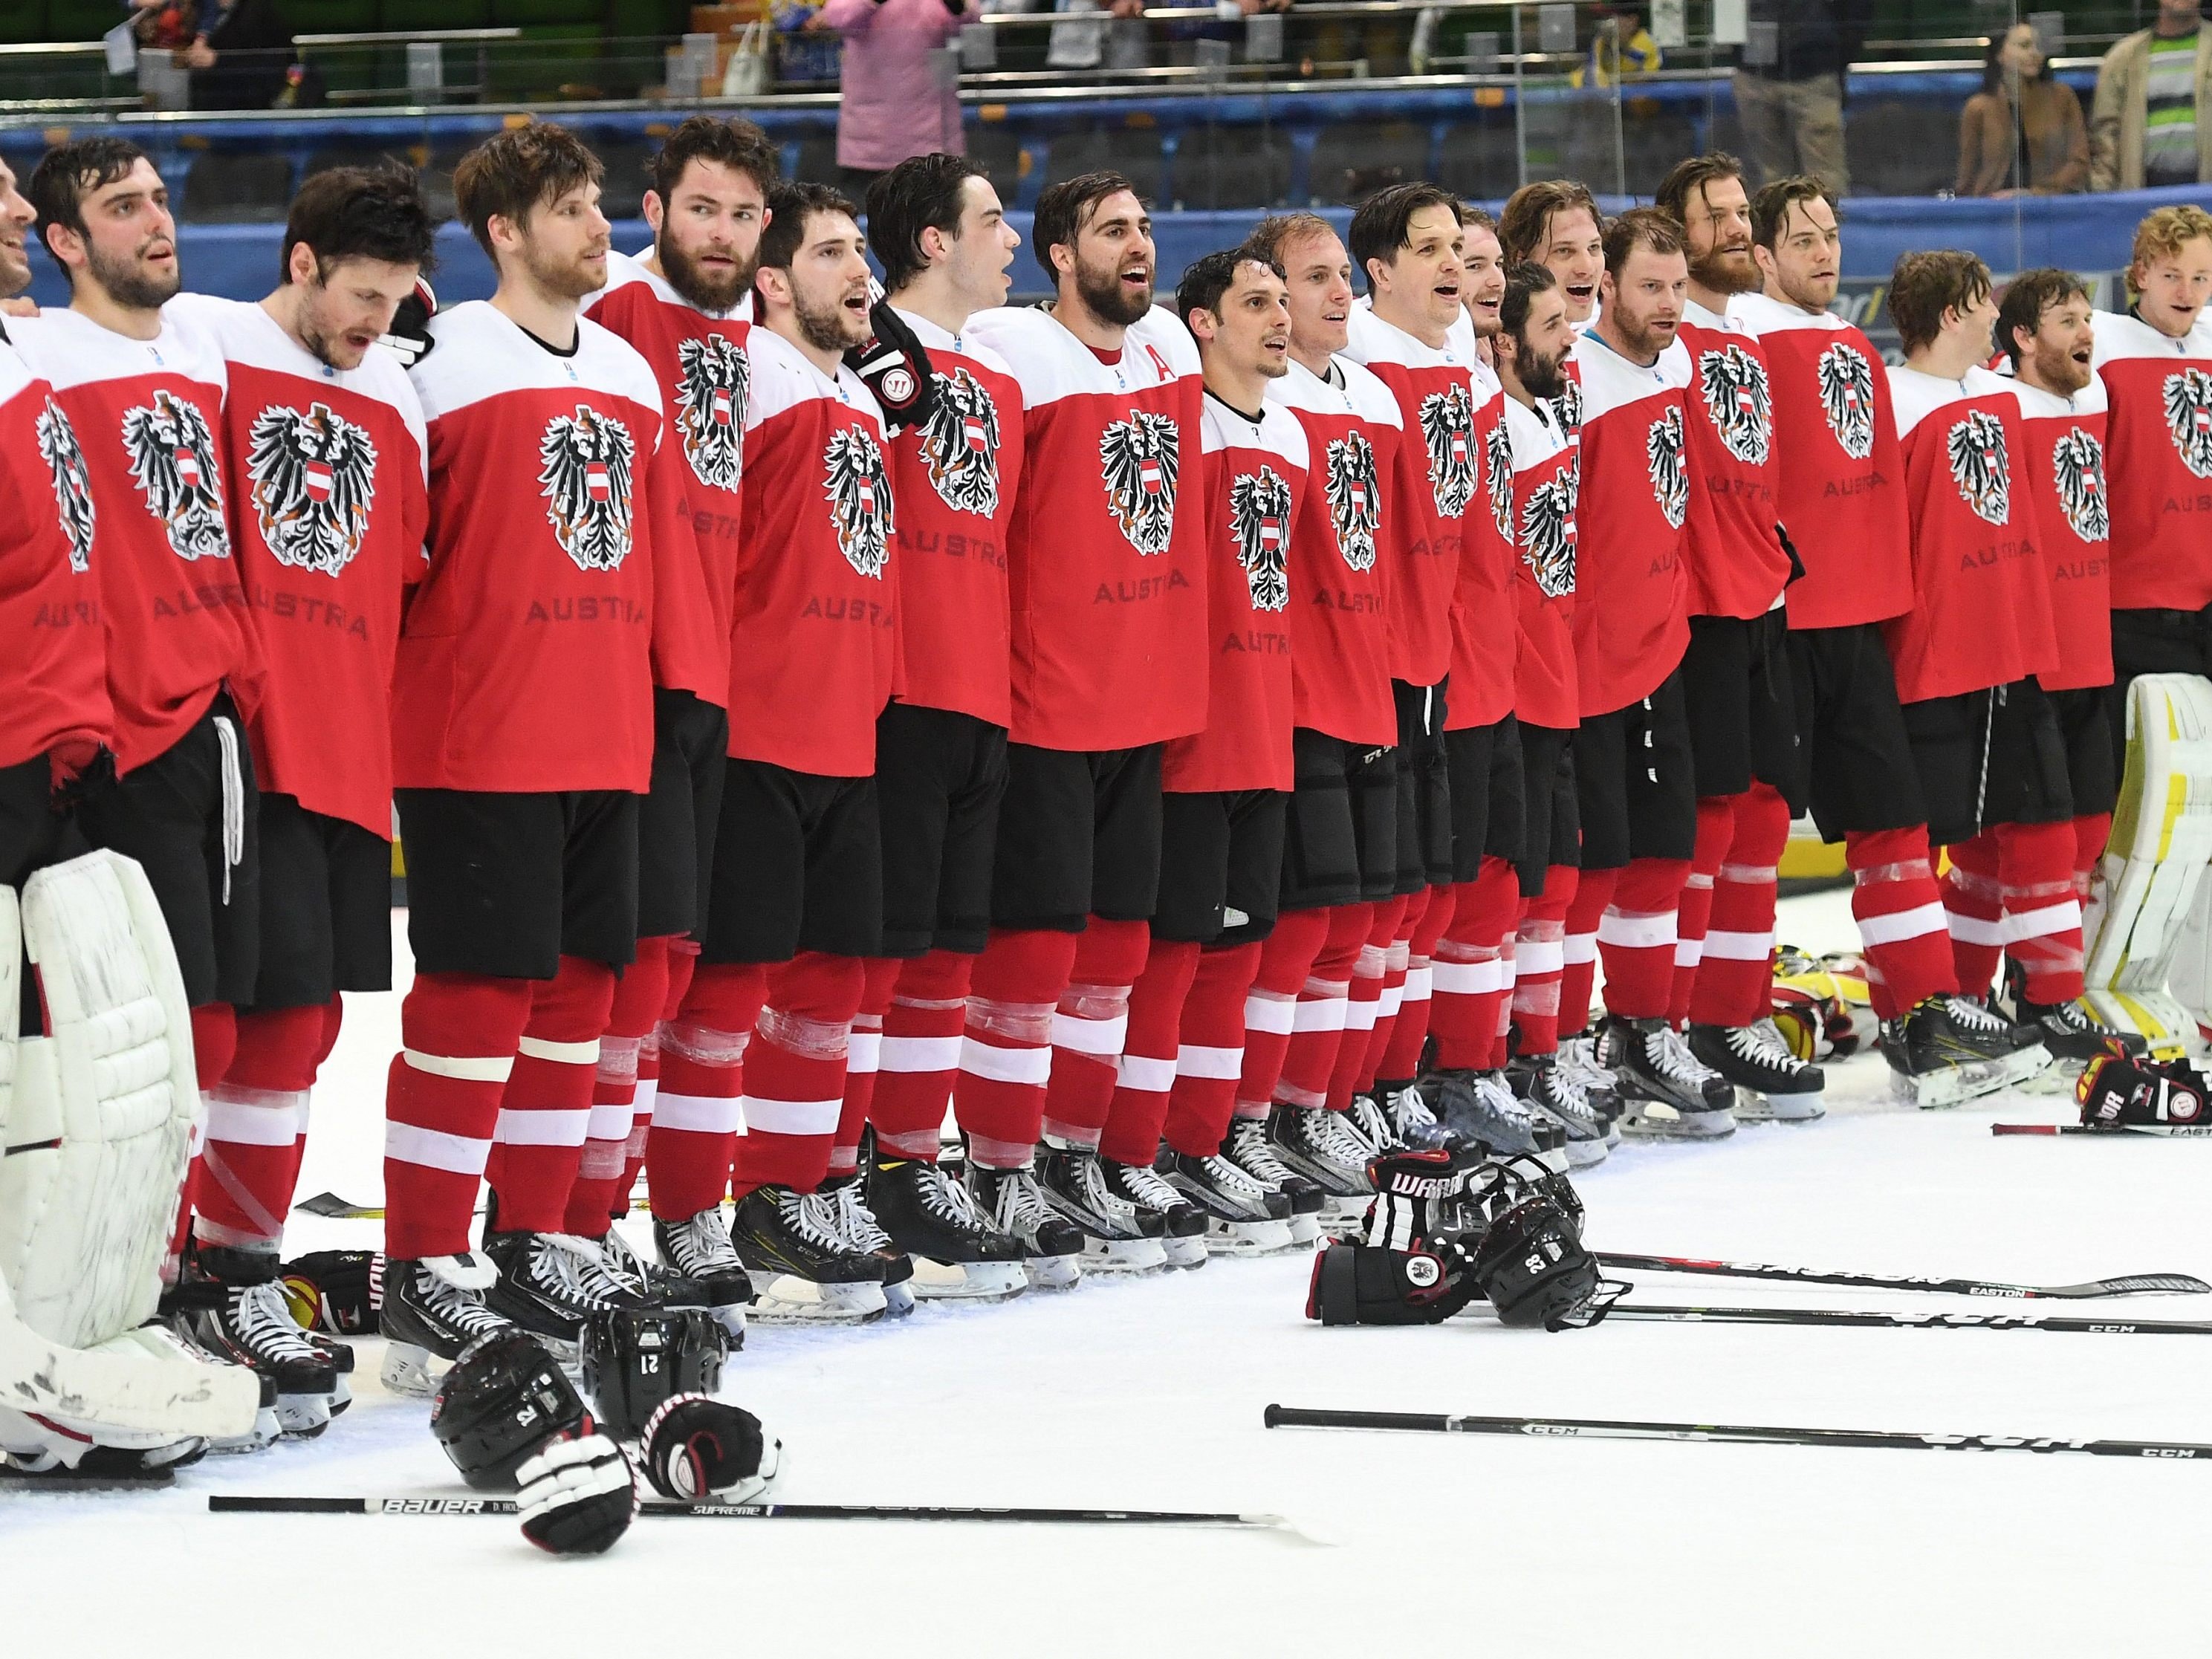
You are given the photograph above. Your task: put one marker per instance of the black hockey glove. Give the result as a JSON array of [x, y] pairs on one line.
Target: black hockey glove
[[2118, 1090], [695, 1450], [337, 1292], [576, 1496], [1418, 1195], [410, 333], [1372, 1285], [896, 368]]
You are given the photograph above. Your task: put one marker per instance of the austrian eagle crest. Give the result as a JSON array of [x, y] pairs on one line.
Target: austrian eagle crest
[[1260, 518], [58, 444], [960, 444], [1355, 504], [1547, 533], [1137, 461], [312, 475], [713, 383], [1734, 383], [1670, 479], [2189, 416], [1567, 408], [2077, 465], [860, 493], [173, 462], [1497, 477], [1448, 429], [1980, 467], [1846, 383], [587, 485]]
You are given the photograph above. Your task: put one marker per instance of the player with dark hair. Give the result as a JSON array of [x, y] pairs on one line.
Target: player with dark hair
[[1743, 724], [682, 306], [1107, 574], [1555, 222]]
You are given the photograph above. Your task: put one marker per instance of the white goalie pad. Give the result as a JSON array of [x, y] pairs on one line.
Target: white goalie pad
[[94, 1122], [2144, 973]]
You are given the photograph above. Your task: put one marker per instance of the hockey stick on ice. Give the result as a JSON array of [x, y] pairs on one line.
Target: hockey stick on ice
[[1854, 1316], [2131, 1285], [223, 1503], [1580, 1428], [2169, 1131], [332, 1208]]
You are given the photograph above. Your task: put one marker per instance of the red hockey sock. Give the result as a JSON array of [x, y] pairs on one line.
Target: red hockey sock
[[1636, 936], [1210, 1050], [256, 1126], [215, 1043], [1900, 917], [1363, 1006], [1317, 1018], [683, 956], [697, 1109], [2090, 832], [1734, 979], [1089, 1026], [862, 1057], [2043, 918], [545, 1110], [795, 1072], [459, 1034], [638, 996], [1540, 954], [1005, 1047], [1148, 1063], [1715, 826], [921, 1054], [1973, 910], [1593, 892], [1396, 1050], [1286, 960], [1468, 980]]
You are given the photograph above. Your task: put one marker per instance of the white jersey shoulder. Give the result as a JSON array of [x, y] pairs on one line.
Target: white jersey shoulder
[[71, 349], [1537, 437], [1369, 339], [1277, 432], [1051, 363], [1915, 396], [1362, 395], [1160, 327], [2121, 336], [1762, 315], [1721, 322], [478, 353], [1610, 381], [2036, 404], [783, 378], [16, 375], [936, 339], [1460, 338]]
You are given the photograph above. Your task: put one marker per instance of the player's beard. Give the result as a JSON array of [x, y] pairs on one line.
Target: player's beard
[[2056, 368], [562, 279], [822, 327], [1726, 271], [1541, 376], [127, 281], [1642, 340], [1100, 290], [696, 284]]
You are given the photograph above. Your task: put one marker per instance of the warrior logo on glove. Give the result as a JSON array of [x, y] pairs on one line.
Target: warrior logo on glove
[[1448, 427], [960, 445], [1547, 533], [1979, 465], [2077, 462], [173, 462], [859, 492], [1670, 479], [713, 382], [72, 483], [1138, 461], [1847, 395], [586, 484], [1355, 506], [1735, 385], [312, 477], [2189, 414], [1260, 516], [1497, 475]]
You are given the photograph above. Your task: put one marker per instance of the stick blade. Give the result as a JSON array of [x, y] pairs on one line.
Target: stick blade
[[337, 1208], [2138, 1285]]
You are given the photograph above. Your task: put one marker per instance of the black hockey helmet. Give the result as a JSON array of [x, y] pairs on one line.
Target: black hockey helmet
[[1533, 1270], [635, 1359], [504, 1398]]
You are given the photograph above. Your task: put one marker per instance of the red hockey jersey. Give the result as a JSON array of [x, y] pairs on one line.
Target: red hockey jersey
[[1485, 638], [1737, 566], [1106, 578], [1545, 481], [1438, 478], [1981, 615], [53, 659], [525, 656], [146, 414], [811, 656], [1250, 477], [698, 359], [2158, 450], [1841, 480], [2065, 441], [955, 478], [1340, 671], [1631, 617], [328, 506]]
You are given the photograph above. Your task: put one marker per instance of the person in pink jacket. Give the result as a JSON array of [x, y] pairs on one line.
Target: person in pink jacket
[[896, 102]]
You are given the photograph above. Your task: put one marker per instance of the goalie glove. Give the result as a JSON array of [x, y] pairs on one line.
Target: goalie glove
[[694, 1448], [896, 368], [576, 1496], [2118, 1090], [408, 337]]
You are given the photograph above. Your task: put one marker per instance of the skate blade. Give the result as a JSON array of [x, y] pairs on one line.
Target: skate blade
[[1953, 1086], [1653, 1120], [406, 1369], [1053, 1273], [1581, 1154], [342, 1396], [1124, 1255], [1344, 1218], [966, 1281], [303, 1416], [1753, 1107], [1305, 1231], [787, 1300], [1249, 1238], [1186, 1254]]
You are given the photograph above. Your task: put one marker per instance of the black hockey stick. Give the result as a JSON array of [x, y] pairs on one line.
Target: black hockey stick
[[224, 1504], [1582, 1428], [2169, 1131], [332, 1207], [1931, 1321], [2131, 1285]]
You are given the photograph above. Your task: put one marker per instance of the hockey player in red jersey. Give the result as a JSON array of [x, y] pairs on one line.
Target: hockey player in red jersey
[[1985, 740], [324, 445], [1743, 724], [678, 304], [1107, 575], [941, 234], [1840, 487], [522, 726]]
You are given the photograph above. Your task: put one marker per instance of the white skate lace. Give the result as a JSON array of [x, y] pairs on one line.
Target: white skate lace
[[1409, 1110], [856, 1221], [946, 1199], [1235, 1181], [1578, 1065], [1970, 1015], [1502, 1100], [1101, 1198], [1142, 1185], [1671, 1058], [1762, 1045], [1367, 1122], [1021, 1209], [625, 1263], [1332, 1138], [261, 1320], [1247, 1149], [702, 1246], [813, 1217], [1565, 1099], [571, 1270], [454, 1307]]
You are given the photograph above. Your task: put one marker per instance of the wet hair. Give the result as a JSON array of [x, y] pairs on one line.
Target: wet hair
[[920, 193], [1064, 210], [1923, 285], [1523, 282], [69, 172], [360, 213], [2027, 297], [1770, 209], [736, 144], [513, 172], [1690, 177], [1383, 223], [1206, 279], [1641, 228], [1279, 230], [790, 205], [1526, 224]]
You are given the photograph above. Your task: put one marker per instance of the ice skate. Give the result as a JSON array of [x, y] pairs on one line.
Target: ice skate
[[176, 1332], [1242, 1218], [699, 1252], [1052, 1249], [1666, 1093], [236, 1310], [1411, 1121], [1247, 1146], [432, 1308], [1141, 1184], [865, 1233], [1366, 1119], [1950, 1049], [1319, 1145], [1117, 1236], [1538, 1084], [959, 1252], [805, 1270], [1772, 1083], [550, 1283], [2072, 1035], [1578, 1061], [1482, 1110]]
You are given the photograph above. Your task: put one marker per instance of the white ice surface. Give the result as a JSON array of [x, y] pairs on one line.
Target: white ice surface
[[1150, 1394]]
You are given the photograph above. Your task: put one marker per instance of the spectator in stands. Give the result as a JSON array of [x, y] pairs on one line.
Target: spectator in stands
[[899, 89], [2022, 133], [2152, 122], [241, 57], [163, 25], [1789, 89]]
